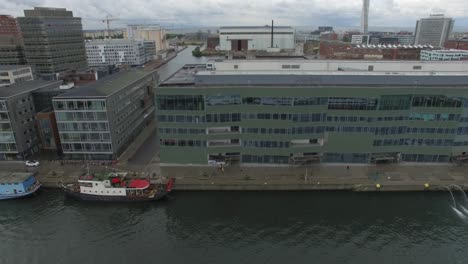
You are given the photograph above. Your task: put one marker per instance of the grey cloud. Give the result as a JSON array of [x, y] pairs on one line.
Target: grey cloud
[[248, 12]]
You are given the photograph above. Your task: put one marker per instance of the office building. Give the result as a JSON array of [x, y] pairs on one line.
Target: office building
[[434, 30], [119, 51], [99, 120], [290, 112], [10, 74], [53, 41], [360, 39], [18, 135], [11, 44], [149, 33], [396, 39], [256, 38], [444, 55], [365, 17], [150, 50]]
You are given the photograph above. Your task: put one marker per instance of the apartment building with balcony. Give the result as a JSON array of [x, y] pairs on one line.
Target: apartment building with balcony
[[99, 120]]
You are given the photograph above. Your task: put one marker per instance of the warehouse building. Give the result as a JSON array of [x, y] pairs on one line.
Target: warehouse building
[[256, 38]]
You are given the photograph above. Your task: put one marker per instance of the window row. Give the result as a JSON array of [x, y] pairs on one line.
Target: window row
[[5, 127], [436, 101], [172, 130], [8, 146], [434, 117], [413, 142], [87, 147], [212, 100], [80, 137], [462, 131], [265, 159], [266, 144], [352, 103], [346, 157], [183, 143], [223, 117], [81, 116], [92, 126], [80, 105], [7, 137], [182, 118], [301, 117], [424, 158], [180, 102]]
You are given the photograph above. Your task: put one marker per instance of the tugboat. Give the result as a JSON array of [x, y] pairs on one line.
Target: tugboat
[[117, 188], [16, 185]]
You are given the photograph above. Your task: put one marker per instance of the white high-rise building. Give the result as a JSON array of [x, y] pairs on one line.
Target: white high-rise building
[[365, 16], [434, 30]]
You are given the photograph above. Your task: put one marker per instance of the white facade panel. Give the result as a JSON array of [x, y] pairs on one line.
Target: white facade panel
[[258, 38], [254, 66], [114, 52]]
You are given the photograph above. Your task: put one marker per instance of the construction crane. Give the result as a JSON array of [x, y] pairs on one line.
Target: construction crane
[[107, 20]]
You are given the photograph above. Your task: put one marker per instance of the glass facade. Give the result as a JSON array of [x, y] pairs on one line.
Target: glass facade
[[356, 128], [83, 126]]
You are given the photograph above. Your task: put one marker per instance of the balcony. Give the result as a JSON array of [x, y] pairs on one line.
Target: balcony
[[223, 130], [224, 143], [307, 142]]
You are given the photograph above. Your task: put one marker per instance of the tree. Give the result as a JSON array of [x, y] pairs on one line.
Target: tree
[[196, 52]]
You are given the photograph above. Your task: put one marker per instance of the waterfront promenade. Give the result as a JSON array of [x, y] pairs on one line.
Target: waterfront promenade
[[406, 177]]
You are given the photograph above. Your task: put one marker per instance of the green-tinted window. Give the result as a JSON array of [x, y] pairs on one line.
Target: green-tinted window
[[395, 102], [181, 102]]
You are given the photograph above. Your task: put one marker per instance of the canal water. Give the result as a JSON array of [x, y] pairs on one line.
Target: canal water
[[184, 57], [237, 227]]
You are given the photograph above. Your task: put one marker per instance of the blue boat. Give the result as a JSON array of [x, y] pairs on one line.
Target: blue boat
[[17, 184]]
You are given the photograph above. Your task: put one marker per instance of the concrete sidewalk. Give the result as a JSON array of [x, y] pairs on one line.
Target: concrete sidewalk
[[405, 177]]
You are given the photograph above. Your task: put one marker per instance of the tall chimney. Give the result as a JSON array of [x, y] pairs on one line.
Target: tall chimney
[[365, 16], [271, 34]]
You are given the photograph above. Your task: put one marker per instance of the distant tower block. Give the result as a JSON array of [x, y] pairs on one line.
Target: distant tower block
[[365, 16]]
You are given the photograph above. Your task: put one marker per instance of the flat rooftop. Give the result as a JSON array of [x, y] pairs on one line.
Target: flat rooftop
[[27, 86], [13, 177], [108, 84], [320, 73], [186, 75]]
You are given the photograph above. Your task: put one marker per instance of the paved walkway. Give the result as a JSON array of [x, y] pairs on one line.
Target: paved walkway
[[318, 177]]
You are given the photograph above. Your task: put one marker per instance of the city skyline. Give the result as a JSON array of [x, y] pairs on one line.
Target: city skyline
[[207, 13]]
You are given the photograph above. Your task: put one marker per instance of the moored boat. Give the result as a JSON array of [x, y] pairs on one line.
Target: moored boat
[[17, 184], [117, 188]]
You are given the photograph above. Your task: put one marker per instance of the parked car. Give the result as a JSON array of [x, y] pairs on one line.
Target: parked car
[[31, 163]]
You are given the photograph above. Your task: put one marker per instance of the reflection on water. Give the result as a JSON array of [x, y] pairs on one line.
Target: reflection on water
[[237, 227]]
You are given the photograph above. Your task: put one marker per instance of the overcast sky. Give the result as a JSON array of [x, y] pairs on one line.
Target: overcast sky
[[213, 13]]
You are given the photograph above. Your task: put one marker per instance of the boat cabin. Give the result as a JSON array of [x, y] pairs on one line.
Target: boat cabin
[[12, 183]]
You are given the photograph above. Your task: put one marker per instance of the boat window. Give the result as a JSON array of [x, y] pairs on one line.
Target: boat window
[[86, 184]]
